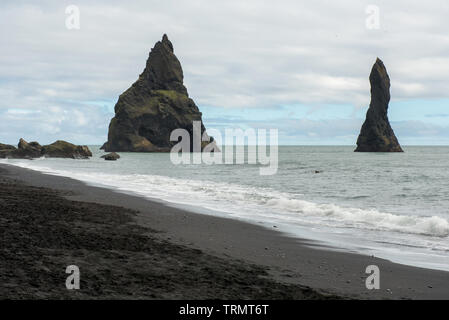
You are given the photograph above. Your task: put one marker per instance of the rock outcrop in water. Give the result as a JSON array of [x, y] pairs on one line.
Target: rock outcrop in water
[[58, 149], [111, 156], [155, 105], [376, 134], [63, 149]]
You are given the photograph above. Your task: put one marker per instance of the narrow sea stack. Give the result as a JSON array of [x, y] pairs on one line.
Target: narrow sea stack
[[155, 105], [376, 134]]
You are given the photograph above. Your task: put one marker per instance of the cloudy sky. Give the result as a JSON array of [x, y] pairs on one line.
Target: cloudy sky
[[299, 66]]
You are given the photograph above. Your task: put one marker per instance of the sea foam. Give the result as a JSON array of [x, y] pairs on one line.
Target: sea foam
[[260, 204]]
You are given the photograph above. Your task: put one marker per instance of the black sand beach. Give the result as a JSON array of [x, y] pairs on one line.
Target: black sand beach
[[128, 247]]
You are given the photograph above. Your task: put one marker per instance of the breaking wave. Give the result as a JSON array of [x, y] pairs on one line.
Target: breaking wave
[[260, 203]]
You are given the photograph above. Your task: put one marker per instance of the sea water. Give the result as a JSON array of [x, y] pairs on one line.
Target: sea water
[[391, 205]]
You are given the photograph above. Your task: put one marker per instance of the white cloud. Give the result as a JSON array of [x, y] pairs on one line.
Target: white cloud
[[234, 54]]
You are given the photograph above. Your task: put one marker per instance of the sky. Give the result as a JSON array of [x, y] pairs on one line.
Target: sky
[[299, 66]]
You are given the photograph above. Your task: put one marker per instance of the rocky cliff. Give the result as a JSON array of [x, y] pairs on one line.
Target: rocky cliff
[[155, 105], [376, 134]]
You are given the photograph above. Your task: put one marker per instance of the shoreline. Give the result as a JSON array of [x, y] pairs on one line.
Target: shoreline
[[289, 260], [43, 233]]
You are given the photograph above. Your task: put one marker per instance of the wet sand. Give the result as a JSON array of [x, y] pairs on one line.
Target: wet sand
[[128, 247]]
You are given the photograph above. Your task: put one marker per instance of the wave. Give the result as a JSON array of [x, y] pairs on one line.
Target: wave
[[259, 203], [367, 218]]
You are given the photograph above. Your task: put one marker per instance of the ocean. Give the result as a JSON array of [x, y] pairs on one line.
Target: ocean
[[390, 205]]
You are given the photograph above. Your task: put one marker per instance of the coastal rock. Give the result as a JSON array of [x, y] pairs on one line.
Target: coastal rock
[[25, 150], [6, 150], [155, 105], [376, 134], [28, 150], [6, 147], [58, 149], [63, 149], [111, 156]]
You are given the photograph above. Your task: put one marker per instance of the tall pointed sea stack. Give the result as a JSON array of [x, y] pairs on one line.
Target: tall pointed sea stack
[[376, 134], [155, 105]]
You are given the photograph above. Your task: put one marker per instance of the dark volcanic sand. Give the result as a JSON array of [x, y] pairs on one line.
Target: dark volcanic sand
[[43, 232], [183, 271]]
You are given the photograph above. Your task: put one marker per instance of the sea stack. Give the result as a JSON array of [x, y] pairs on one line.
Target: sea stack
[[155, 105], [376, 134]]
